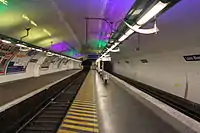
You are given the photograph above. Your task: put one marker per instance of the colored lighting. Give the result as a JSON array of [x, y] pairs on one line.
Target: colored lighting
[[149, 15], [5, 2], [60, 47]]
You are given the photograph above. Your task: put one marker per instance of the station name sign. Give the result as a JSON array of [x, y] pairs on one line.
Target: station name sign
[[192, 57]]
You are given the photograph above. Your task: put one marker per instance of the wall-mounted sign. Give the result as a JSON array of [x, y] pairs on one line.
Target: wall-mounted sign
[[192, 57]]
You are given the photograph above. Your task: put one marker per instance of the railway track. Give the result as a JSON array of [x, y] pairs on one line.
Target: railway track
[[50, 116]]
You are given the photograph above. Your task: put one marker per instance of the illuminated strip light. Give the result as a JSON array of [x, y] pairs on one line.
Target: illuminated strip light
[[115, 50], [25, 17], [49, 54], [47, 32], [137, 12], [33, 23], [28, 19], [5, 2], [6, 41], [23, 47], [39, 50], [109, 50], [143, 31], [150, 14], [20, 45]]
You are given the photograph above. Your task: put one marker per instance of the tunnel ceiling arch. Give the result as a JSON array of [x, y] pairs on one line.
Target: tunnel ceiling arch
[[60, 24]]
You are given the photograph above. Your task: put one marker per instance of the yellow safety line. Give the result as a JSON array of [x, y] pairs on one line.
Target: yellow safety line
[[81, 128], [65, 131], [82, 108], [81, 123], [82, 102], [83, 111], [85, 100], [82, 118], [81, 114], [82, 105]]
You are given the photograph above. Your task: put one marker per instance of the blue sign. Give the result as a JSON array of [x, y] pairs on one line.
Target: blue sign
[[192, 57]]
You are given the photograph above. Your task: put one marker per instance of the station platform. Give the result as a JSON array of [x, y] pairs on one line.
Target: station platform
[[11, 92], [110, 109]]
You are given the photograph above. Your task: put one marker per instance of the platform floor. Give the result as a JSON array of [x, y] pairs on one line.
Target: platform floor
[[110, 109], [13, 90], [121, 112], [82, 115]]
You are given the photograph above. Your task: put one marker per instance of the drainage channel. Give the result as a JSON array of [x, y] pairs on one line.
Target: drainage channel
[[50, 116]]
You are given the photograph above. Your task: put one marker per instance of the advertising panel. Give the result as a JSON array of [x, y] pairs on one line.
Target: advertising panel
[[7, 52], [45, 65], [20, 61]]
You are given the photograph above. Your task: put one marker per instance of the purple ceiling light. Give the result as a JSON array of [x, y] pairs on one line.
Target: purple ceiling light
[[60, 47]]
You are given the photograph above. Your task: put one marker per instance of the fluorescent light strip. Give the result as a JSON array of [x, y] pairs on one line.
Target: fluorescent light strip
[[47, 32], [39, 50], [151, 13], [33, 23], [20, 45], [25, 17], [6, 41], [5, 2], [122, 38]]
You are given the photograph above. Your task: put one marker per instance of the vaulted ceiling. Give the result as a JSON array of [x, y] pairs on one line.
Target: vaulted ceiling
[[60, 24]]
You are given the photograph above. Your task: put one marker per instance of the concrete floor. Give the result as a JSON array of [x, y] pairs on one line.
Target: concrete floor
[[121, 112], [12, 90]]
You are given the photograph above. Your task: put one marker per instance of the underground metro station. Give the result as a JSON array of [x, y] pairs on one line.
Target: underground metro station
[[99, 66]]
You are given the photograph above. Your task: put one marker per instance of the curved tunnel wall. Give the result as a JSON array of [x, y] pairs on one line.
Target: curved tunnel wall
[[166, 68], [34, 68]]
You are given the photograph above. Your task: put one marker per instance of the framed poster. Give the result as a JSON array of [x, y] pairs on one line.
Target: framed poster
[[7, 52]]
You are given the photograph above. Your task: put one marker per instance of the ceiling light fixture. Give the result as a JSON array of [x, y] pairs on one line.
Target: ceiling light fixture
[[39, 50], [47, 32], [20, 45], [152, 12], [122, 38], [5, 2], [25, 17], [157, 8], [115, 50], [33, 23], [6, 41], [137, 29], [149, 15]]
